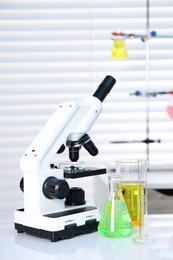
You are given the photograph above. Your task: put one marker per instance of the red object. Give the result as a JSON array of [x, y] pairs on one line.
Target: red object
[[169, 109], [118, 34]]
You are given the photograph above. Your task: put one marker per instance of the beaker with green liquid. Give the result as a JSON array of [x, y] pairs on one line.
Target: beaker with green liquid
[[115, 221]]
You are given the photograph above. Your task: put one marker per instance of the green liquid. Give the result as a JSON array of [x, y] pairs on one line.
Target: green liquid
[[115, 221]]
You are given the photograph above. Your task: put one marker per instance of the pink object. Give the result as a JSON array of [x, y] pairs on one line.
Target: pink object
[[170, 111]]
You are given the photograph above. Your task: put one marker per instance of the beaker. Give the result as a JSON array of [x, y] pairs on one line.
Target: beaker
[[115, 221], [134, 188], [119, 48]]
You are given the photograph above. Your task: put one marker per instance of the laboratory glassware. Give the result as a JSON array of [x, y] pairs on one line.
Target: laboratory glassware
[[134, 188], [115, 221]]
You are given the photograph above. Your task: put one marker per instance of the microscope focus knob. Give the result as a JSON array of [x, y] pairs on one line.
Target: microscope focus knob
[[75, 197], [54, 188], [22, 184]]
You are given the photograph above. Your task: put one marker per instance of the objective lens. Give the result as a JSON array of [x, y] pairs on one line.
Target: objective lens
[[91, 148], [74, 154]]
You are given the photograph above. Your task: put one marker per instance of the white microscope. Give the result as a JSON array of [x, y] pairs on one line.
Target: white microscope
[[53, 209]]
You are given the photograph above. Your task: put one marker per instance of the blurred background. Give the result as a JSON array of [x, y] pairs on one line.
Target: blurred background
[[60, 50]]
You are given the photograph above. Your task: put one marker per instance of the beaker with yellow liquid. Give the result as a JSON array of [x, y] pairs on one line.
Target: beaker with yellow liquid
[[134, 188]]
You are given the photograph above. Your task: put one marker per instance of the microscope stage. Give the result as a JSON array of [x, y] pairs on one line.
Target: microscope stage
[[85, 172]]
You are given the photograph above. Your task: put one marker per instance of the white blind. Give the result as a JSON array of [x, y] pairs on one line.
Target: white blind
[[59, 50]]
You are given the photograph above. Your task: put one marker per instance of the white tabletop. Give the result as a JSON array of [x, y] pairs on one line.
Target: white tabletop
[[91, 246]]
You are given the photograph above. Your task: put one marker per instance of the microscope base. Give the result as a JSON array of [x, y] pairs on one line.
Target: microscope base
[[58, 235], [69, 230]]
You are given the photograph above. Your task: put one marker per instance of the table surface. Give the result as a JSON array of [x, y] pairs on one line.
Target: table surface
[[89, 246]]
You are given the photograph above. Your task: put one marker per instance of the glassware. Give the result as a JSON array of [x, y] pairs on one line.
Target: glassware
[[115, 221], [119, 49], [134, 188]]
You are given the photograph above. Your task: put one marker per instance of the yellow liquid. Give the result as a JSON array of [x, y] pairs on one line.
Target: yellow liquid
[[130, 192]]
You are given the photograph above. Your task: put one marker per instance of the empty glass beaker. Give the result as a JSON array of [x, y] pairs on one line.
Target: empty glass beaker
[[134, 189], [115, 221]]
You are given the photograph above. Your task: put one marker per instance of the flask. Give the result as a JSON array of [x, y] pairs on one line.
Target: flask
[[115, 221]]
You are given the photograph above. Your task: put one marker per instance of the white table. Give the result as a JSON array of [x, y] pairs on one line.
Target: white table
[[91, 246]]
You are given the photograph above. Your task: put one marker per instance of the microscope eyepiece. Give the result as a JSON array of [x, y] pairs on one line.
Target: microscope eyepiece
[[104, 88]]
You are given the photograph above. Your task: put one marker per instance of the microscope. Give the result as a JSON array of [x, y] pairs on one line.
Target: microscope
[[53, 209]]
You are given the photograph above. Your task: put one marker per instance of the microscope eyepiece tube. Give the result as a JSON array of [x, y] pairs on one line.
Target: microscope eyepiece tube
[[104, 88]]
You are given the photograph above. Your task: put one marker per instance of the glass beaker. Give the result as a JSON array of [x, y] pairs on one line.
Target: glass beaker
[[134, 188], [115, 221], [119, 48]]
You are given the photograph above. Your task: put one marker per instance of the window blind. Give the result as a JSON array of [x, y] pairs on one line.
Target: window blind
[[58, 50]]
